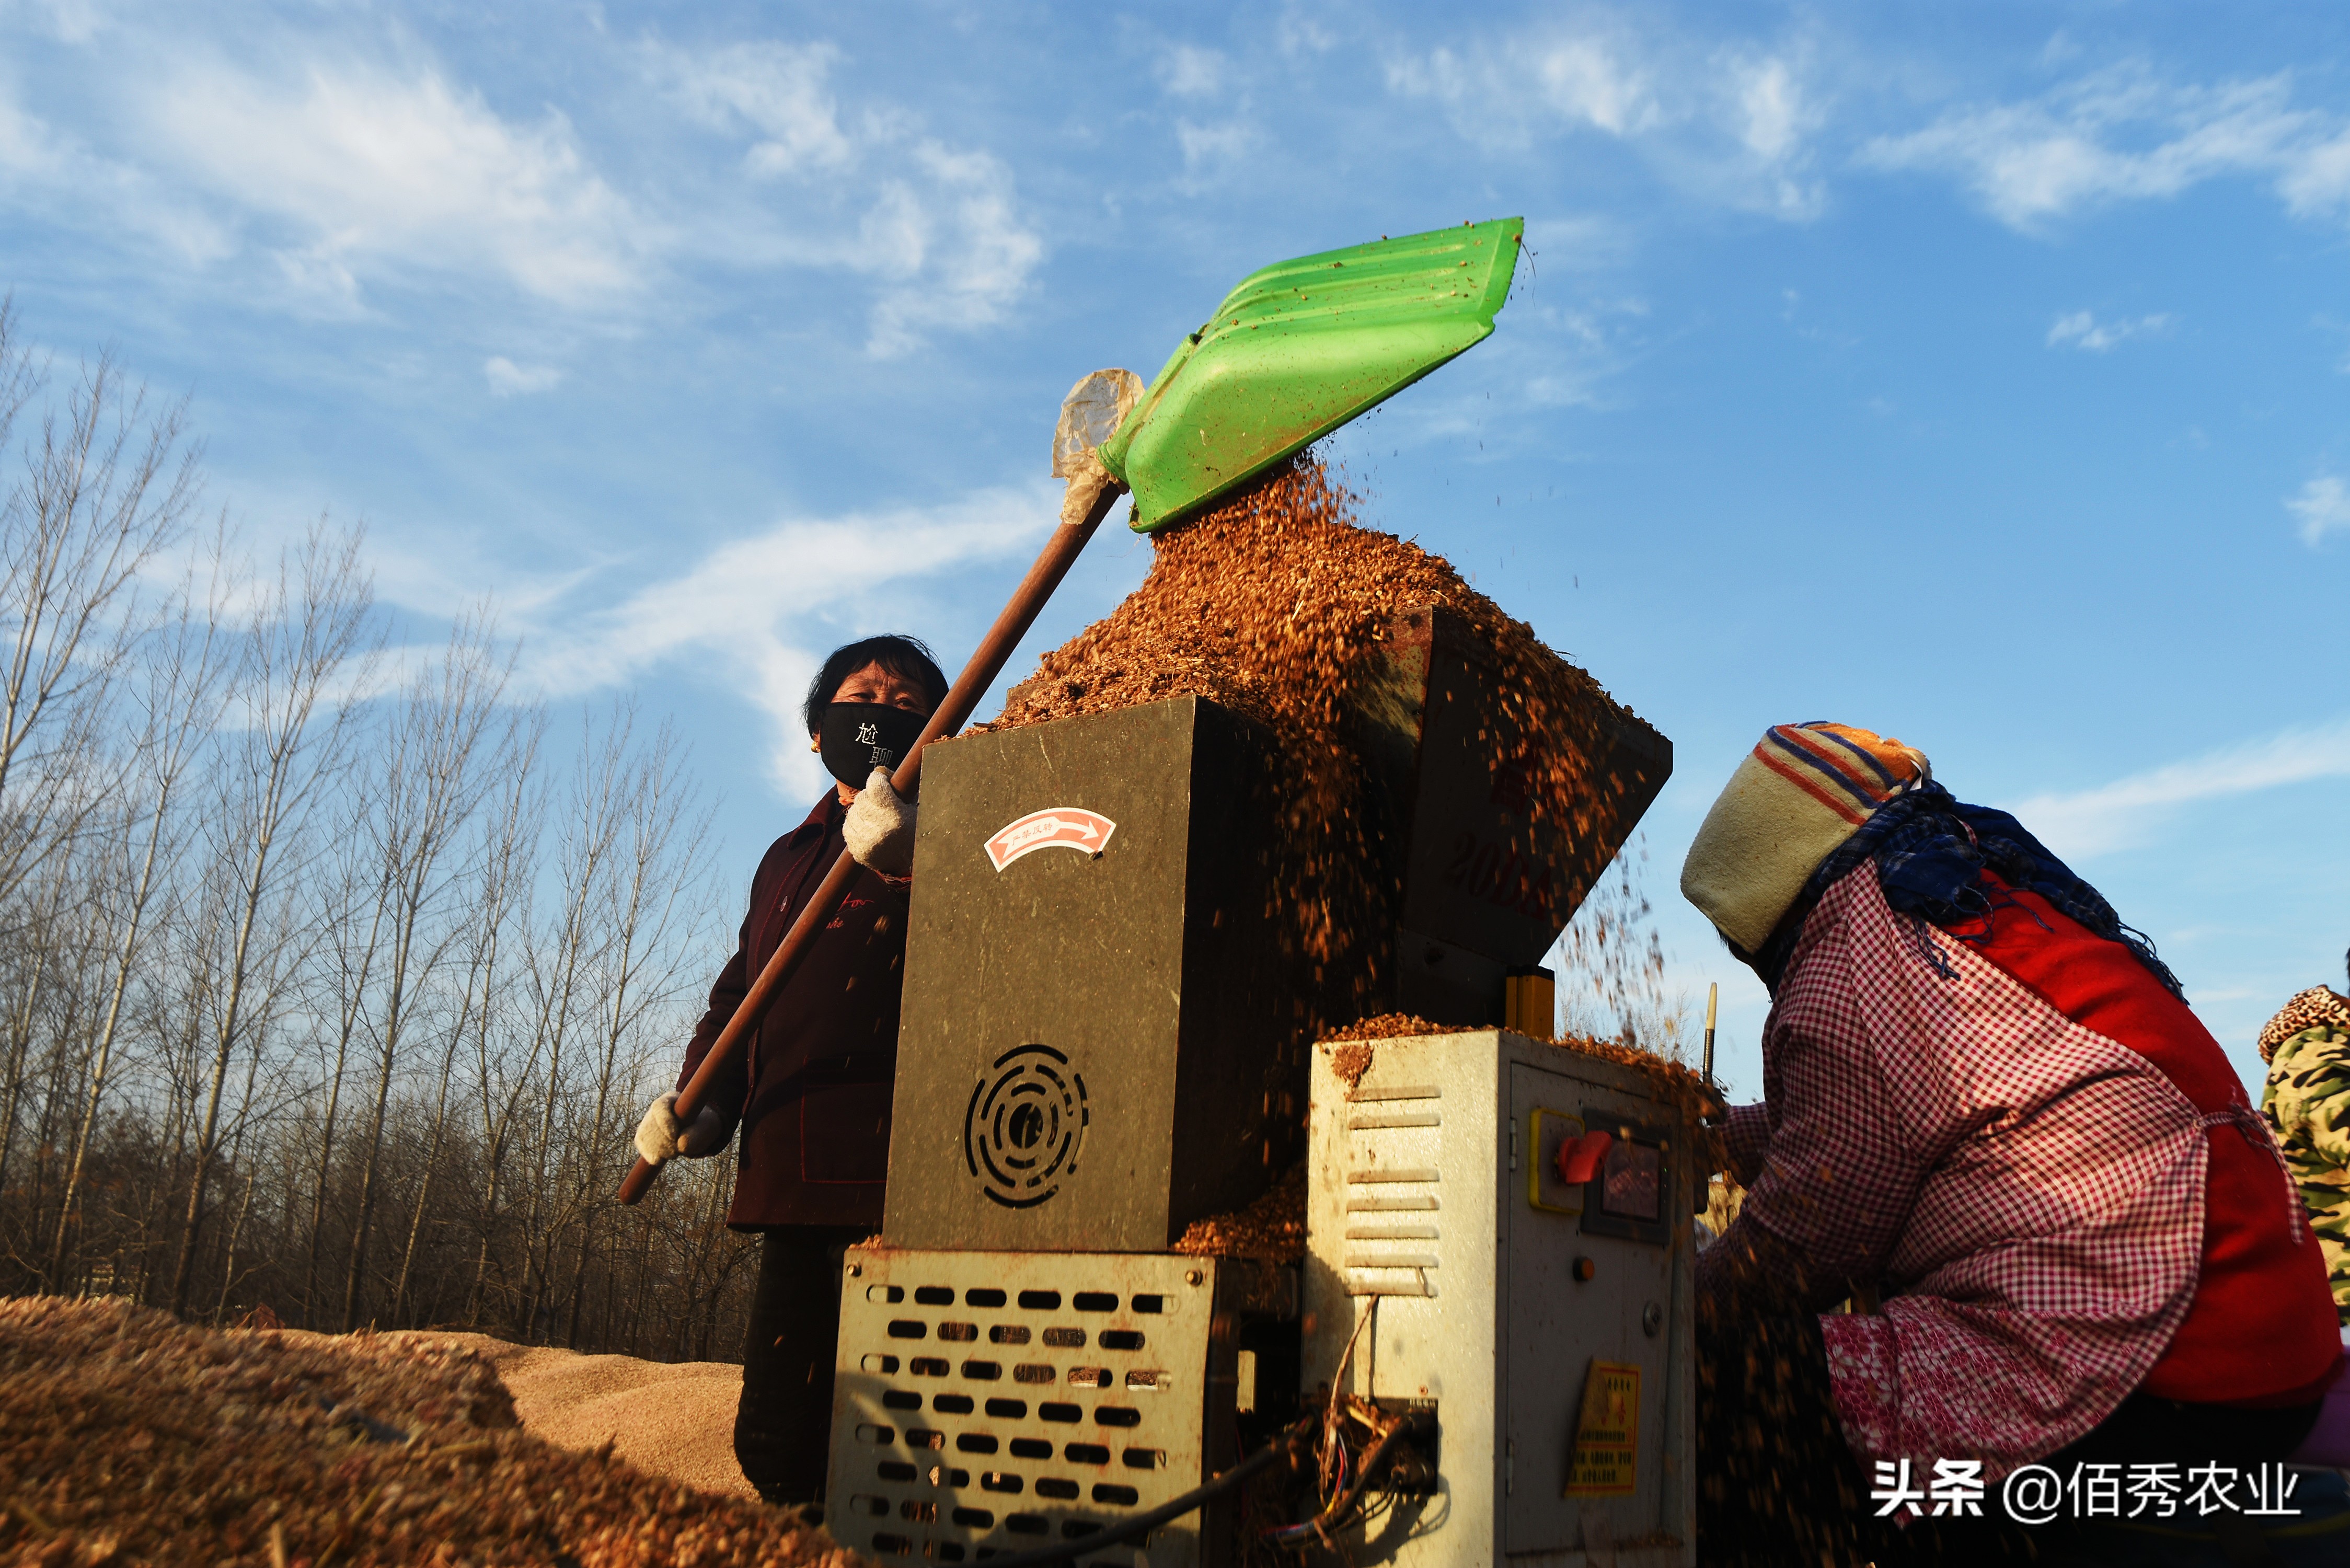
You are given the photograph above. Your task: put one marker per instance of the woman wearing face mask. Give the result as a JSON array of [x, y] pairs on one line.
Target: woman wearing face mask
[[811, 1095]]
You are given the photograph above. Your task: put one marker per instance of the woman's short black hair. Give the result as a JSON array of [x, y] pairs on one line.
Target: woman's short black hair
[[906, 657]]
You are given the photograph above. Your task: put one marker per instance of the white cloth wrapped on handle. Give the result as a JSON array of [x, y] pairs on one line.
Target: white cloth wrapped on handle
[[879, 827], [661, 1137]]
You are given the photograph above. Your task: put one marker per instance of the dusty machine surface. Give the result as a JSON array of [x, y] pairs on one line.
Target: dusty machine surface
[[1097, 1047], [1547, 1322]]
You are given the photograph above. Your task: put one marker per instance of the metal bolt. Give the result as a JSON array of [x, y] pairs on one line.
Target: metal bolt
[[1652, 1320], [855, 1270], [1192, 1276]]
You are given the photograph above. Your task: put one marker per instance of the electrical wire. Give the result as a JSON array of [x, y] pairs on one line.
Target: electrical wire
[[1406, 1427], [1342, 1478]]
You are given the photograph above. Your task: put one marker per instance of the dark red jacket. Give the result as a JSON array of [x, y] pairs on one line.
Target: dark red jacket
[[812, 1094]]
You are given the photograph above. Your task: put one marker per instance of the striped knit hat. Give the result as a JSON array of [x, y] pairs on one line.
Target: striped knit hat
[[1803, 790]]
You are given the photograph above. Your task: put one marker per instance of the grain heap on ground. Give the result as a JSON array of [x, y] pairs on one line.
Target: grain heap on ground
[[672, 1418], [1274, 603], [128, 1438]]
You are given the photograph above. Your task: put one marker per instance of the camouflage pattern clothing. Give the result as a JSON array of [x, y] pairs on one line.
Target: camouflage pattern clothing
[[2307, 1102]]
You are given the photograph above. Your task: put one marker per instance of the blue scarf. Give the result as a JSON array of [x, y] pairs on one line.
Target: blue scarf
[[1930, 850]]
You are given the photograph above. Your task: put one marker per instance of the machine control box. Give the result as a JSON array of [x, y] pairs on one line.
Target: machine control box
[[1451, 1260]]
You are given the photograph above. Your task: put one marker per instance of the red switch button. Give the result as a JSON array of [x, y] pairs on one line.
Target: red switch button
[[1580, 1158]]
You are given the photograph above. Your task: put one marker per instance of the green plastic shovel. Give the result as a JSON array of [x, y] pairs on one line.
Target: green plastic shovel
[[1297, 350], [1293, 353]]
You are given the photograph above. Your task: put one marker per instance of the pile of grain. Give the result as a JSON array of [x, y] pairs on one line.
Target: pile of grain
[[126, 1436], [1273, 604], [1272, 1228], [671, 1418]]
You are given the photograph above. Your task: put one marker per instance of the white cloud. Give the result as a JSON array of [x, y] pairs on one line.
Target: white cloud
[[42, 168], [1773, 104], [2323, 505], [747, 607], [68, 21], [956, 208], [2082, 329], [1187, 70], [937, 227], [508, 380], [2317, 182], [2121, 134], [778, 91], [340, 165], [353, 168], [1211, 144], [1297, 33], [1583, 80], [1588, 80], [1734, 125], [2112, 816]]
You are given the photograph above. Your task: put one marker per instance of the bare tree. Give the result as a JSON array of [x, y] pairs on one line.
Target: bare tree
[[106, 487], [304, 661], [286, 957], [359, 893], [178, 706], [31, 966], [562, 967], [652, 919], [503, 866], [432, 782]]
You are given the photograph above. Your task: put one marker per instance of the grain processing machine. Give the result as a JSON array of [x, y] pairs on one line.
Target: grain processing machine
[[1102, 1043]]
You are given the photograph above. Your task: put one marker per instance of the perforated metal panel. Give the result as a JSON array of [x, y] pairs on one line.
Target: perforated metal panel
[[988, 1403]]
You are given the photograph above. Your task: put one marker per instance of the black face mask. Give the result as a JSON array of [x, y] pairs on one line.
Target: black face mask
[[858, 737]]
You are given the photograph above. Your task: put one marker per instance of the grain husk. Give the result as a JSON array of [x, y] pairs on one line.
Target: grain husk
[[127, 1437], [1272, 1229]]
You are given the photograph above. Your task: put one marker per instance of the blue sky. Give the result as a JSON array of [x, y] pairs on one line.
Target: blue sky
[[1975, 374]]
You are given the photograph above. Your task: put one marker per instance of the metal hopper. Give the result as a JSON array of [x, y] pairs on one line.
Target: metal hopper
[[1485, 887]]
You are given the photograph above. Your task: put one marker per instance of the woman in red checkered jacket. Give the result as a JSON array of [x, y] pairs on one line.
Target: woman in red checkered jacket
[[1993, 1126]]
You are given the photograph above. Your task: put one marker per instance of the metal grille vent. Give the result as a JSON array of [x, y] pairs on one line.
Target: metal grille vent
[[1391, 1199], [988, 1403]]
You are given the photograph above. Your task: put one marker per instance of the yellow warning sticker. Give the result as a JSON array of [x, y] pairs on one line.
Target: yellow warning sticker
[[1606, 1459]]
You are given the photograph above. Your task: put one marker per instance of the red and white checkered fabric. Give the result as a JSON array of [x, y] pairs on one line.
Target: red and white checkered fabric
[[2027, 1194]]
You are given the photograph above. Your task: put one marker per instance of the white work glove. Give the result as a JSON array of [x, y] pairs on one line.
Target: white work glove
[[879, 827], [661, 1137]]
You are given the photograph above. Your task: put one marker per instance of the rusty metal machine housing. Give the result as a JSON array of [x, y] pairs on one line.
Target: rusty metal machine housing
[[992, 1402]]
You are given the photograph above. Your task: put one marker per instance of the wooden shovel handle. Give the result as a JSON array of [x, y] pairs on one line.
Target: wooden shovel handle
[[1060, 553]]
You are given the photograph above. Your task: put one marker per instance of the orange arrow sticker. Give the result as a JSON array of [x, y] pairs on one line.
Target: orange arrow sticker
[[1054, 828]]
